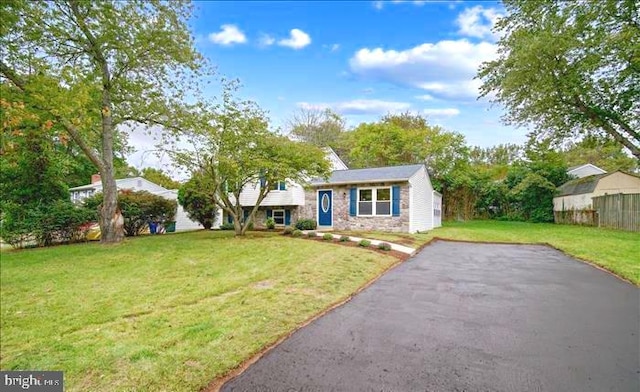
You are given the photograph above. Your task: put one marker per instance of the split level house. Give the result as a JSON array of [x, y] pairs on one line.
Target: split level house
[[393, 198], [183, 223]]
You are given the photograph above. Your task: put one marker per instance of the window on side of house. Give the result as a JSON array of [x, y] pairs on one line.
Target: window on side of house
[[374, 201], [278, 186]]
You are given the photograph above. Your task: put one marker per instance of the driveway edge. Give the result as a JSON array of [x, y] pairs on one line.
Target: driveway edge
[[216, 384], [577, 258]]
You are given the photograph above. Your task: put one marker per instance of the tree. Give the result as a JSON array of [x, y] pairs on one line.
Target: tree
[[322, 128], [602, 152], [197, 197], [159, 177], [93, 66], [569, 68], [406, 139], [139, 208], [236, 152]]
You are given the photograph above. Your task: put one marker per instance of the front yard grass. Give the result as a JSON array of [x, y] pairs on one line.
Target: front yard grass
[[167, 312]]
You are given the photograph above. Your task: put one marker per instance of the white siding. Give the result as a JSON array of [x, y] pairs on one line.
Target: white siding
[[292, 196], [572, 202], [585, 170], [420, 202], [334, 159], [183, 223]]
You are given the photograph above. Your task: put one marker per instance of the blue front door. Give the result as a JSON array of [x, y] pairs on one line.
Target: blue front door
[[325, 206]]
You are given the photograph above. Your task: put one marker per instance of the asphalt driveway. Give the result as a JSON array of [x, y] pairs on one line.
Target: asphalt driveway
[[468, 317]]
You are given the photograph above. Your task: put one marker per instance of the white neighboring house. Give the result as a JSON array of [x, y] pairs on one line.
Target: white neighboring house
[[183, 223], [578, 193], [584, 170]]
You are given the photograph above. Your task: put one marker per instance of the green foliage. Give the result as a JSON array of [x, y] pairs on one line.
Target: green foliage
[[159, 177], [312, 234], [57, 222], [600, 151], [344, 238], [236, 149], [296, 233], [306, 224], [569, 68], [270, 223], [287, 230], [327, 237], [197, 198], [364, 243], [138, 209], [95, 66], [384, 246], [227, 226]]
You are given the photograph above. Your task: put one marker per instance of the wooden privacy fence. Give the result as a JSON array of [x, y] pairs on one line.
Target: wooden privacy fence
[[621, 211]]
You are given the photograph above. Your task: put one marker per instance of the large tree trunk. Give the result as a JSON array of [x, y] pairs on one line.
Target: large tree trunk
[[111, 219]]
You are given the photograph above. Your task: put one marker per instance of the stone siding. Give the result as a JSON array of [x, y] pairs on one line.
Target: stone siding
[[341, 218]]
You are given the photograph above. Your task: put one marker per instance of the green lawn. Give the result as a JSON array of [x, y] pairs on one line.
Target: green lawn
[[166, 312], [617, 251]]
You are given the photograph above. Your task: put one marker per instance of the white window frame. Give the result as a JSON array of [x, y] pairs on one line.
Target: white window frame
[[374, 200], [284, 217]]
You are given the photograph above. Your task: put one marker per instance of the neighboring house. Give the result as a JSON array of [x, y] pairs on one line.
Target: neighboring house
[[585, 170], [577, 194], [284, 200], [79, 193], [183, 222], [393, 198]]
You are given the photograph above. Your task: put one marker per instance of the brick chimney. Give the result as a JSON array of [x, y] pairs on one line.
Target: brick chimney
[[95, 178]]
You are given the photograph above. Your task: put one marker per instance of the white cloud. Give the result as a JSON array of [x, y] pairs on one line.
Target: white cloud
[[335, 47], [445, 112], [425, 97], [477, 22], [229, 35], [298, 39], [378, 5], [266, 40], [444, 69], [360, 106]]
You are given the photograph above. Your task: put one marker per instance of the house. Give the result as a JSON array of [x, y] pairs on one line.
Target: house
[[79, 193], [284, 201], [183, 223], [393, 198], [608, 200], [585, 170], [577, 194]]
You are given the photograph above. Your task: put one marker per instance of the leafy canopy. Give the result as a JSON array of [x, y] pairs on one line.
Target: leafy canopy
[[569, 68]]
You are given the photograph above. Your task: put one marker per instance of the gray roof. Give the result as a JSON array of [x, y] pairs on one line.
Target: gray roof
[[580, 186], [374, 174]]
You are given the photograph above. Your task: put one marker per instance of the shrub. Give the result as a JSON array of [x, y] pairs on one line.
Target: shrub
[[227, 226], [58, 222], [270, 223], [139, 208], [344, 238], [287, 230], [197, 197], [384, 246], [364, 243], [312, 234], [327, 237], [296, 233], [306, 224]]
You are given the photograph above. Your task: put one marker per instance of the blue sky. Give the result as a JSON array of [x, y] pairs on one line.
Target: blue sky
[[363, 59]]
